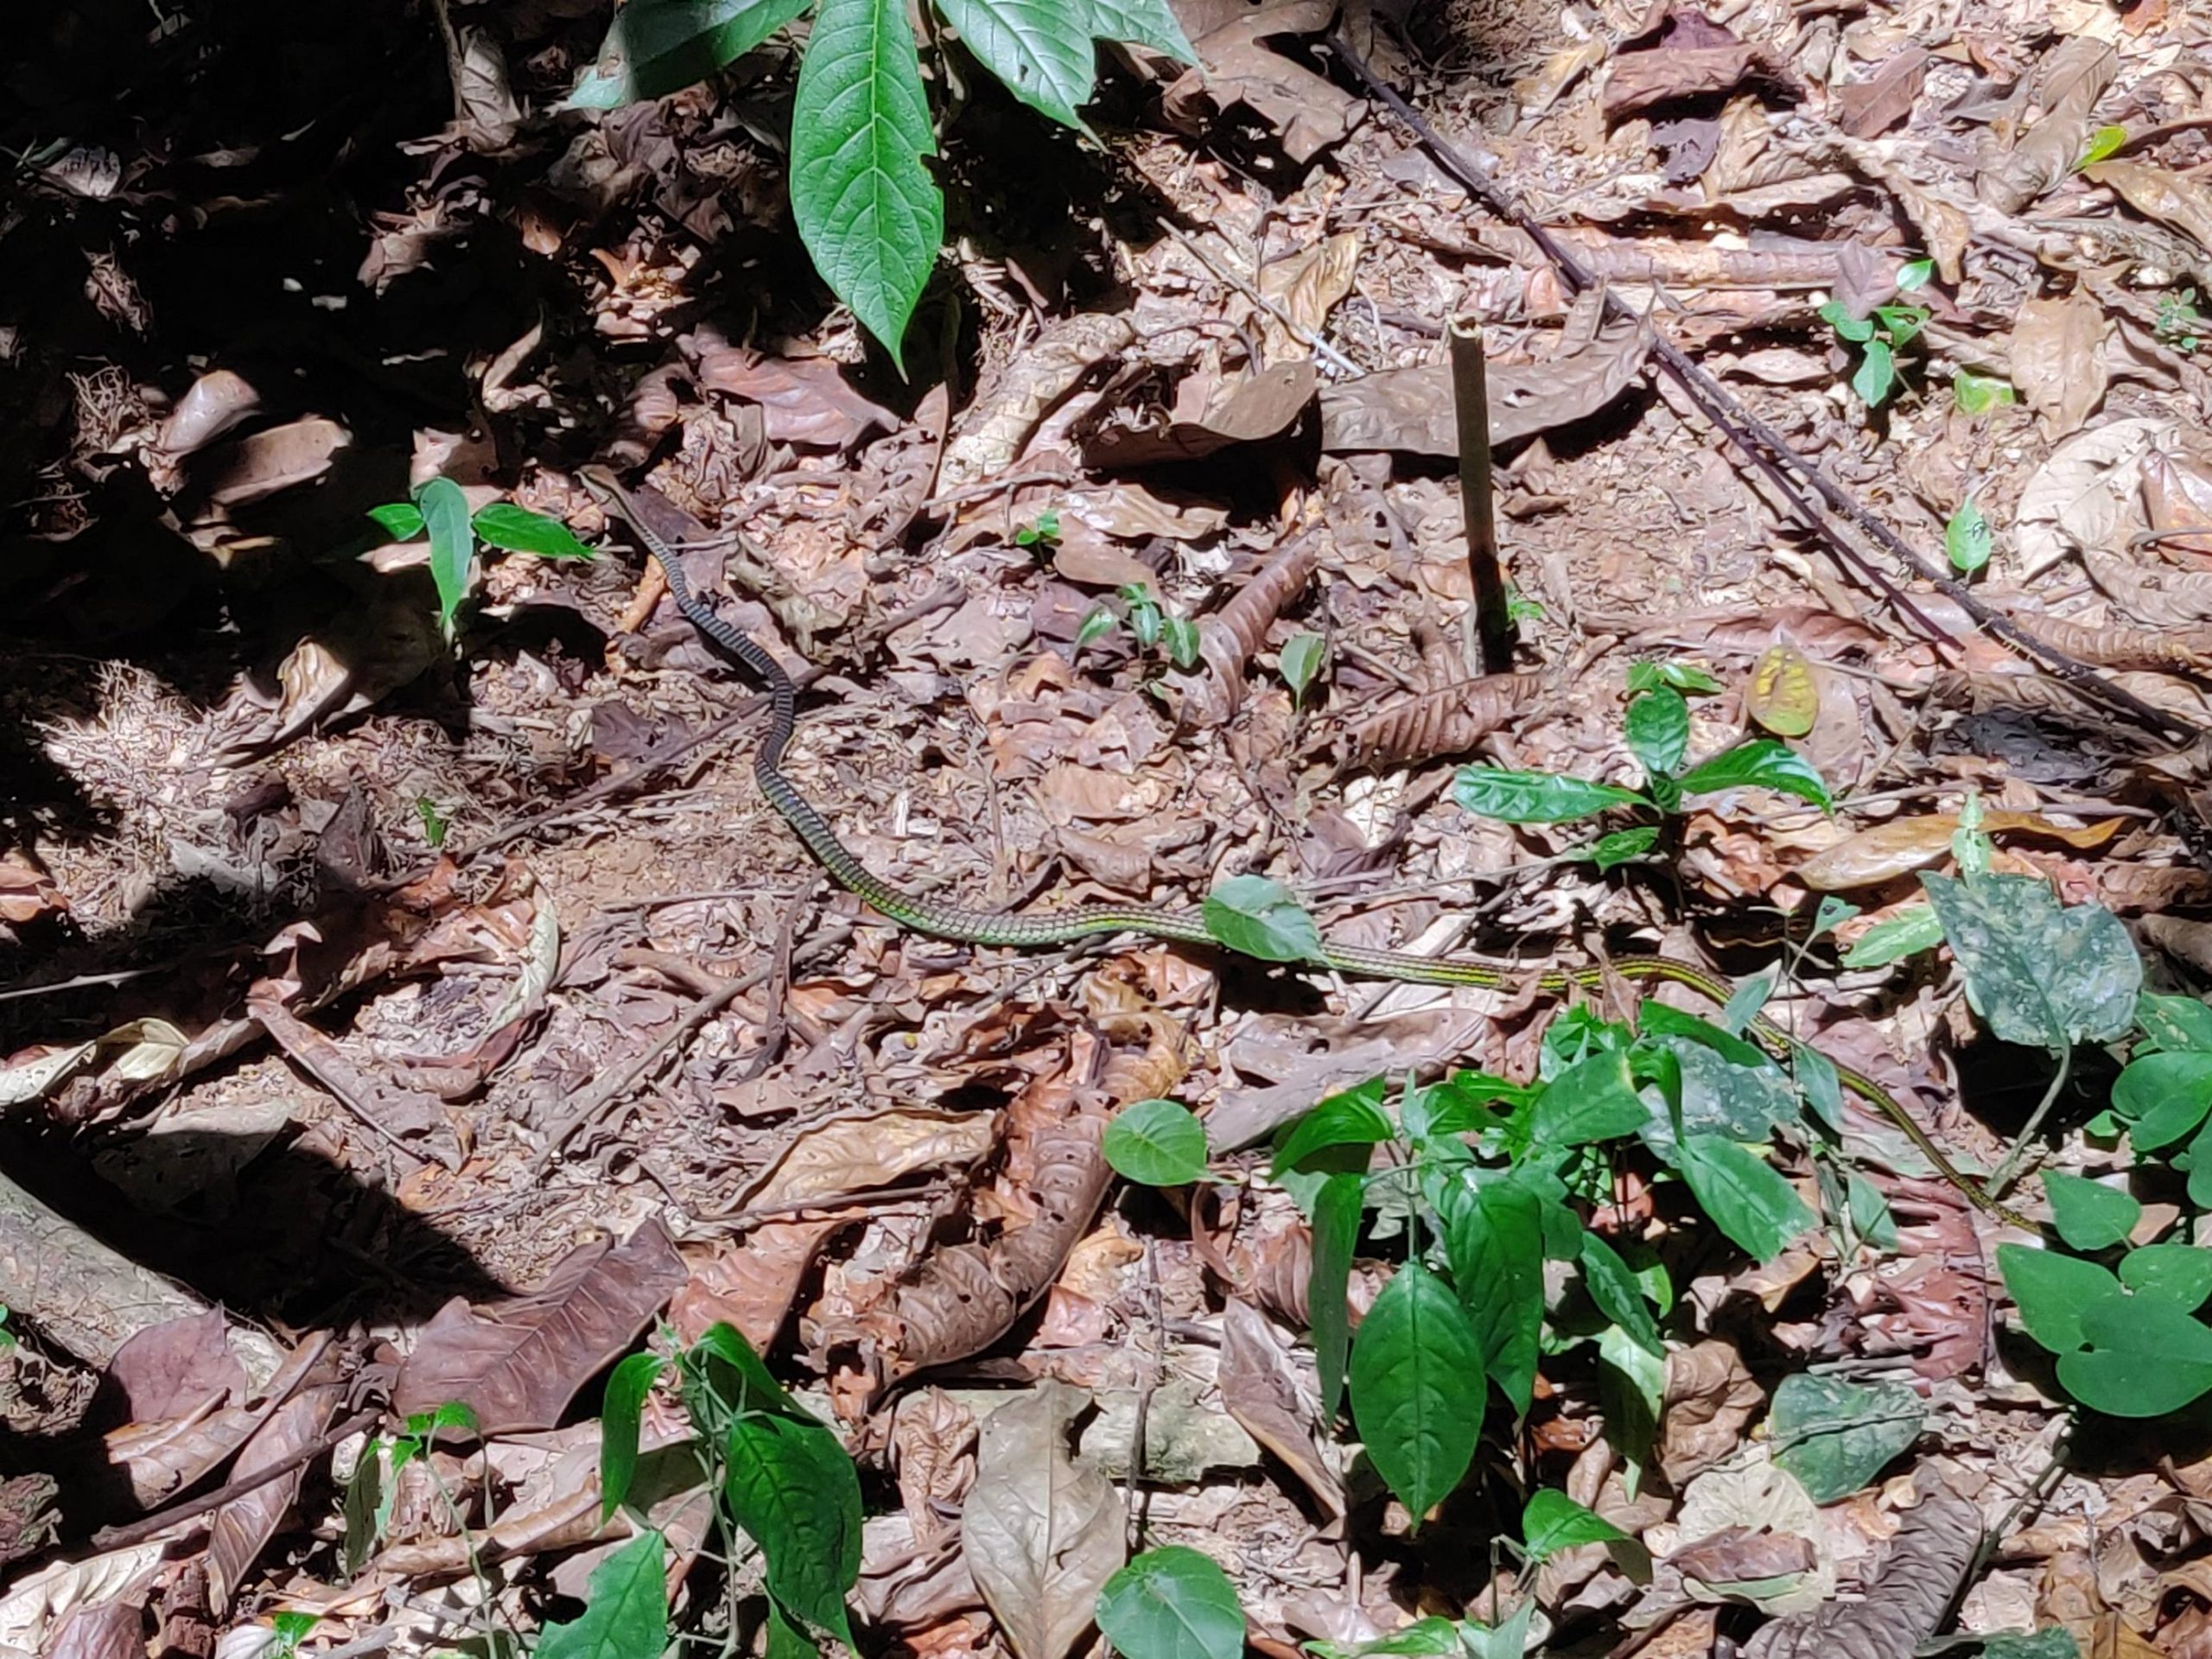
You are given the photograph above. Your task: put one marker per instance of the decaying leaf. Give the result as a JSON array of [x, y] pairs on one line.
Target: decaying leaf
[[241, 1528], [1244, 411], [749, 1284], [1436, 724], [1888, 851], [2080, 497], [1041, 1533], [876, 1149], [1260, 1388], [516, 1363], [2065, 87], [2178, 496], [1904, 1602], [1006, 413], [2157, 193], [1783, 695], [2058, 362], [1232, 636]]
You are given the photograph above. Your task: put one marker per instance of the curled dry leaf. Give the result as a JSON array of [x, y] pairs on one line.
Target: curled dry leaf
[[2160, 194], [26, 893], [1447, 721], [257, 466], [1042, 1533], [804, 400], [516, 1363], [1308, 285], [1640, 80], [2186, 651], [34, 1607], [876, 1149], [1904, 1602], [1773, 1526], [934, 1450], [2065, 85], [1261, 1387], [240, 1529], [1246, 411], [1233, 635], [1709, 1398], [2152, 594], [210, 406], [1306, 112], [2178, 496], [1888, 851], [749, 1284]]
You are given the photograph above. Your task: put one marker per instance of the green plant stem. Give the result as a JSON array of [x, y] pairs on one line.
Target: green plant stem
[[2003, 1177]]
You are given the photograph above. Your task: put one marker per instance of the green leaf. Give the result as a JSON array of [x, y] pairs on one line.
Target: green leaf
[[2039, 973], [2103, 143], [1157, 1143], [1762, 763], [1818, 1082], [1041, 51], [1301, 660], [1554, 1521], [793, 1489], [2174, 1021], [1901, 323], [2147, 1358], [1535, 797], [1871, 1217], [1507, 1639], [2056, 1642], [2050, 1290], [1746, 1198], [1658, 731], [627, 1388], [658, 46], [786, 1639], [626, 1610], [1354, 1118], [2199, 1159], [2088, 1217], [2180, 1274], [1612, 851], [1857, 330], [1144, 618], [1182, 637], [1976, 395], [1336, 1230], [1916, 274], [1967, 537], [1617, 1295], [867, 210], [1877, 374], [1146, 23], [1592, 1100], [1171, 1603], [1097, 622], [1632, 1393], [402, 520], [1417, 1388], [502, 523], [2163, 1097], [1831, 913], [1255, 917], [453, 545], [1745, 1000], [1835, 1437], [1495, 1239], [1912, 930]]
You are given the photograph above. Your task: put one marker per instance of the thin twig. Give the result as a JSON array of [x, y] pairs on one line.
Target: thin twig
[[1305, 336], [1996, 1185], [154, 1525]]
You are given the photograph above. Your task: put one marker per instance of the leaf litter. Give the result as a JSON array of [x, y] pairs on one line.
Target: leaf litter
[[499, 1020]]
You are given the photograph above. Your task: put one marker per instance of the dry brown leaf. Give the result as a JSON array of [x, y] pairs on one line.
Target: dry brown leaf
[[1307, 113], [2178, 496], [177, 1366], [1232, 636], [1889, 850], [1409, 410], [210, 406], [2082, 495], [112, 1629], [1709, 1398], [1308, 286], [876, 1149], [239, 1529], [2154, 596], [1263, 1390], [1005, 413], [516, 1363], [1904, 1602], [804, 400], [1244, 411], [1432, 725], [2157, 193], [934, 1450], [2066, 85], [1041, 1533], [259, 466], [1875, 103], [2187, 650], [749, 1285], [2058, 361]]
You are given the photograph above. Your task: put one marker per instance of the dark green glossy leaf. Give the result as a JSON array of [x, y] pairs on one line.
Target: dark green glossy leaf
[[1592, 1100], [1610, 852], [1355, 1118], [626, 1387], [2087, 1215], [1156, 1142], [1553, 1522], [1418, 1387], [1495, 1239], [453, 544], [2180, 1274], [1040, 50], [504, 525], [1336, 1231], [1535, 797], [1658, 730], [2147, 1358], [2040, 973], [1761, 763], [793, 1491], [1835, 1437], [866, 209], [1614, 1288], [2163, 1097], [1145, 23], [2050, 1290], [1172, 1603], [657, 47], [626, 1610], [401, 520], [1743, 1196], [1255, 917]]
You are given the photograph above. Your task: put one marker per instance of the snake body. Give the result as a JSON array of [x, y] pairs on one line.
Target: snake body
[[923, 914]]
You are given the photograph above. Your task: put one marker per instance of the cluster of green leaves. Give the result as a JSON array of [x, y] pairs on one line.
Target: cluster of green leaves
[[1657, 731], [2180, 324], [1150, 621], [1881, 334], [779, 1478], [375, 1485], [866, 207], [1491, 1170], [438, 505]]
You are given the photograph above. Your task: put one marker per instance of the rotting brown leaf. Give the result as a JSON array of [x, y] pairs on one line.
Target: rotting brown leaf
[[1904, 1602], [2082, 495], [1244, 411], [2058, 361], [749, 1284], [518, 1364], [806, 400], [2066, 85], [1233, 635], [2178, 497], [933, 1452], [1042, 1533], [241, 1528], [1887, 851], [2160, 194], [1009, 411], [1261, 1390], [861, 1153], [1436, 724], [1709, 1398]]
